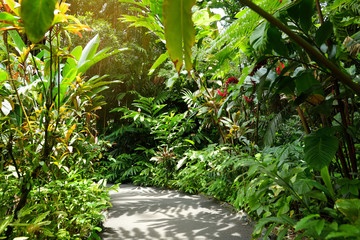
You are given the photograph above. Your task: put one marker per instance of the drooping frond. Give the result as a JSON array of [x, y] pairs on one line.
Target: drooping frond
[[239, 31], [149, 15]]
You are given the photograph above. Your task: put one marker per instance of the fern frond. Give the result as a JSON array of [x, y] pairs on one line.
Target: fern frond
[[189, 98], [162, 97]]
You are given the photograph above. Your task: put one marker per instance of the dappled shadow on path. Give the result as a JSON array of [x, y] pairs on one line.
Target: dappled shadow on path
[[149, 213]]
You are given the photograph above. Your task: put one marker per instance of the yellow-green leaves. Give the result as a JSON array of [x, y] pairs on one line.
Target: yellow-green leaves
[[179, 31], [37, 16]]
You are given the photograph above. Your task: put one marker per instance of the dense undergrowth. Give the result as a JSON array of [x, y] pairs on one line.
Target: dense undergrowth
[[49, 148], [268, 127]]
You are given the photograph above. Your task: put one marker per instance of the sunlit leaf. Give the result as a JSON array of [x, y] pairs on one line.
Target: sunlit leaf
[[179, 31], [7, 17], [5, 107], [14, 6], [158, 62]]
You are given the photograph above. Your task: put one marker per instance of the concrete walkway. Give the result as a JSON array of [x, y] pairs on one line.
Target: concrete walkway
[[150, 213]]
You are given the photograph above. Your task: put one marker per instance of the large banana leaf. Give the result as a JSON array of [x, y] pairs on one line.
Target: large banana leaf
[[179, 31]]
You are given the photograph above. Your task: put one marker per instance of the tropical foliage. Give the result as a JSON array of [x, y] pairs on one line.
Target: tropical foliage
[[275, 112], [49, 146], [253, 102]]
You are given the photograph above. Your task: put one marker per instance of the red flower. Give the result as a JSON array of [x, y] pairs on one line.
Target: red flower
[[278, 69], [222, 94], [231, 80], [249, 100]]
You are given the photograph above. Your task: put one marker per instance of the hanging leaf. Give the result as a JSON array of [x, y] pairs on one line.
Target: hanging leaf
[[179, 31], [276, 41], [302, 12], [306, 8], [323, 33], [37, 16], [320, 148]]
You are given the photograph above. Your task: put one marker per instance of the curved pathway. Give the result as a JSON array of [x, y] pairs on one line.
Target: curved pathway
[[149, 213]]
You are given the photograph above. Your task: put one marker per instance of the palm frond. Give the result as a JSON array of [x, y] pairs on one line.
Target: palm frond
[[189, 98]]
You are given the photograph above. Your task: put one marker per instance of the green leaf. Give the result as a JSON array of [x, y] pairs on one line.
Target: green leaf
[[89, 50], [97, 58], [158, 62], [323, 33], [7, 17], [272, 129], [327, 180], [276, 41], [302, 12], [19, 43], [13, 6], [306, 81], [76, 52], [345, 231], [179, 31], [156, 8], [350, 208], [306, 8], [7, 220], [320, 148], [37, 16], [303, 223]]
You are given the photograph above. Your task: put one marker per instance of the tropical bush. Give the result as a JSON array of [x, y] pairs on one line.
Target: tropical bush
[[276, 105], [49, 144], [258, 107]]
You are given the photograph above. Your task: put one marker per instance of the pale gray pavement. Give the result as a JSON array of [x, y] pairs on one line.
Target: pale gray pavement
[[148, 213]]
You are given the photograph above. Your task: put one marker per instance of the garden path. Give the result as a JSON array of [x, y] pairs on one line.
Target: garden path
[[149, 213]]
